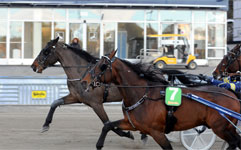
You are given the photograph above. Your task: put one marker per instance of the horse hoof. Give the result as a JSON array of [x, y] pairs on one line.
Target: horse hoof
[[99, 147], [131, 136], [45, 129], [144, 140]]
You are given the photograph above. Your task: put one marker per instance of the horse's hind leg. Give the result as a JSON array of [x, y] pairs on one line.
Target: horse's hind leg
[[121, 124], [161, 139], [62, 101], [228, 134], [100, 111]]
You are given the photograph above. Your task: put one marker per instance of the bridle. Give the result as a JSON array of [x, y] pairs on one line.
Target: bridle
[[230, 61], [104, 67], [47, 52]]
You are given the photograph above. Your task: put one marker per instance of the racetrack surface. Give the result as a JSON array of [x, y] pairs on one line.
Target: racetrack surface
[[74, 127]]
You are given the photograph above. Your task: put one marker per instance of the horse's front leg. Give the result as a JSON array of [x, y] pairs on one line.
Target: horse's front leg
[[121, 124], [100, 111], [62, 101]]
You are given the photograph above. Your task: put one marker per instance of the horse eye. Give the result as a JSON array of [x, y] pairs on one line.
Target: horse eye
[[103, 67]]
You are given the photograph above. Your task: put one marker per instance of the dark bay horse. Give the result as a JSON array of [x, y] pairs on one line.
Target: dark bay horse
[[231, 63], [144, 108], [75, 63]]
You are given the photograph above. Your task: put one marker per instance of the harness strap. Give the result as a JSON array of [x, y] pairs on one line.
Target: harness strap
[[127, 109], [106, 93]]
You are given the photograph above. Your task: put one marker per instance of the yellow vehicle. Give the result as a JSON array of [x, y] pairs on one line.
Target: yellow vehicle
[[168, 58]]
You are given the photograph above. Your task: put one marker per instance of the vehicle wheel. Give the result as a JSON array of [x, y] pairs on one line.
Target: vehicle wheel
[[173, 136], [198, 138], [192, 65], [160, 65]]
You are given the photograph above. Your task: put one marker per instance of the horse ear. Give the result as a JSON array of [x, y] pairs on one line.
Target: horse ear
[[112, 54], [56, 40]]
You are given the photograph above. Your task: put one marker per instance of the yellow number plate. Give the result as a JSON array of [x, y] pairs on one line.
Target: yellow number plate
[[39, 94]]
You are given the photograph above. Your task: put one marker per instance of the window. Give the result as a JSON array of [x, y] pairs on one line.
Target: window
[[59, 30], [36, 36], [216, 16], [199, 40], [3, 37], [15, 40], [123, 15], [199, 16], [152, 42], [130, 39], [59, 14], [172, 15], [76, 31], [151, 15], [109, 37], [216, 35], [93, 39]]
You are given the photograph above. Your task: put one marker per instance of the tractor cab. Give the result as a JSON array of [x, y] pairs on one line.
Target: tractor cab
[[174, 55]]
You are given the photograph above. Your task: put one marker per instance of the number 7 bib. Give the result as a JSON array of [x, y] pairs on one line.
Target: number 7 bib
[[173, 96]]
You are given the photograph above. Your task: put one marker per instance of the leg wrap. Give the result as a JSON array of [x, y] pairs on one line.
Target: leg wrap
[[54, 105], [57, 103]]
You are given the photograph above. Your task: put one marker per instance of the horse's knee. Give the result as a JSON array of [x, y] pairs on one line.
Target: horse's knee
[[57, 103]]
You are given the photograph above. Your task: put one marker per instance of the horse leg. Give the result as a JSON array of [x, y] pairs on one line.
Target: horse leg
[[122, 124], [54, 105], [100, 111], [229, 135], [161, 139]]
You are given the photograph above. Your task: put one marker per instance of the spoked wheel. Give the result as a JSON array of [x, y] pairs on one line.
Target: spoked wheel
[[173, 136], [198, 138]]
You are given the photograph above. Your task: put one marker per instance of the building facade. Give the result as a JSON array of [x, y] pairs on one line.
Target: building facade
[[101, 26]]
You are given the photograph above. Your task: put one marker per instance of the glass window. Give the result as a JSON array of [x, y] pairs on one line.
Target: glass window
[[85, 14], [216, 53], [151, 15], [199, 40], [59, 30], [4, 13], [216, 35], [173, 15], [216, 16], [130, 39], [15, 40], [36, 36], [123, 15], [109, 37], [59, 14], [152, 42], [30, 14], [93, 39], [76, 31], [3, 37], [199, 16]]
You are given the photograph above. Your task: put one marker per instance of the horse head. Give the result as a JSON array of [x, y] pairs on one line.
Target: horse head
[[229, 64], [46, 57], [100, 73]]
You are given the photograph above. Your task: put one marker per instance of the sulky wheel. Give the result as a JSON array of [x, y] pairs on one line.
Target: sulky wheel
[[198, 138], [173, 136]]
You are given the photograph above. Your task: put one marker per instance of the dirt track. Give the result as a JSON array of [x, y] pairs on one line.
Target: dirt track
[[73, 128]]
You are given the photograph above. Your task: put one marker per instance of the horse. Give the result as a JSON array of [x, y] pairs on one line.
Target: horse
[[144, 109], [231, 63], [76, 63]]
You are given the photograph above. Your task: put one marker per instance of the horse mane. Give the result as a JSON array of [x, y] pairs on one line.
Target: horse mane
[[150, 74], [83, 54]]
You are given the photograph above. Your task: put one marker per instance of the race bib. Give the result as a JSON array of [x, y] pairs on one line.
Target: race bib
[[173, 96]]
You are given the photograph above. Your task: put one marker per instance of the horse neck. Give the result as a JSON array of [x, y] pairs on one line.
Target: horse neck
[[74, 66], [125, 76]]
